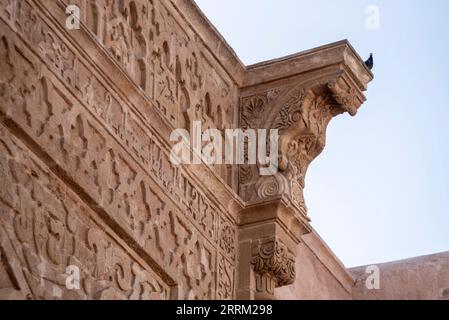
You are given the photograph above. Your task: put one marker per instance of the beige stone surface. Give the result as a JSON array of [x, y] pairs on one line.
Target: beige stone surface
[[97, 106], [421, 278], [85, 122]]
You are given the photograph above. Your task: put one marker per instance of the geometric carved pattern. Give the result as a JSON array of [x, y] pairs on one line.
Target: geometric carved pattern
[[97, 144]]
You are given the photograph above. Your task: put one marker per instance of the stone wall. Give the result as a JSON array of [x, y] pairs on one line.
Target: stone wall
[[85, 121], [89, 110]]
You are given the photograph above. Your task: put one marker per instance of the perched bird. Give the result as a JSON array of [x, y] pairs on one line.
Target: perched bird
[[370, 62]]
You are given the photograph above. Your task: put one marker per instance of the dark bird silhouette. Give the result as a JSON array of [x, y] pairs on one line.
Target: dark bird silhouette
[[370, 62]]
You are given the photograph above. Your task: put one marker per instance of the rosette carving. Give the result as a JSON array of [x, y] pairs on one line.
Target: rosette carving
[[271, 186]]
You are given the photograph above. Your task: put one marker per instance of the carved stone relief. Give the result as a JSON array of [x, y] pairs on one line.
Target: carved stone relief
[[164, 58], [273, 264], [48, 229], [77, 133], [301, 115]]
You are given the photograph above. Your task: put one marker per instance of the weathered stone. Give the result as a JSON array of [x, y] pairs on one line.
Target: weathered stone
[[87, 183]]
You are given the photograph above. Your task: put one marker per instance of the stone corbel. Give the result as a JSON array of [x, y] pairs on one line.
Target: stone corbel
[[301, 118], [268, 236], [328, 81]]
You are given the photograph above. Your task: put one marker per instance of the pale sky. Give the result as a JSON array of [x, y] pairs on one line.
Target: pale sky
[[380, 190]]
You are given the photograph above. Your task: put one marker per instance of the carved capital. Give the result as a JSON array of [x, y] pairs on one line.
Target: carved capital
[[272, 259]]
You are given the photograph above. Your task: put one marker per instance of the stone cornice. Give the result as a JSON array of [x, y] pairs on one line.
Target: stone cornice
[[340, 53]]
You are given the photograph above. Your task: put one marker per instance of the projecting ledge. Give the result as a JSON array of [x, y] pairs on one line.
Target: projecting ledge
[[339, 53]]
